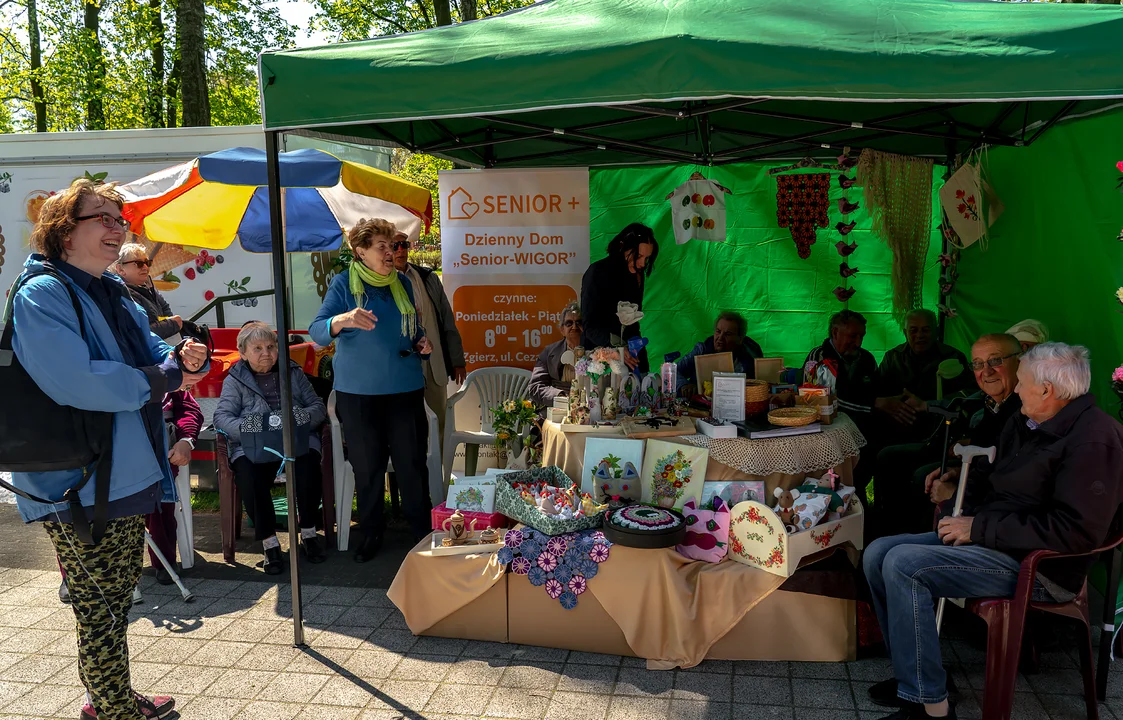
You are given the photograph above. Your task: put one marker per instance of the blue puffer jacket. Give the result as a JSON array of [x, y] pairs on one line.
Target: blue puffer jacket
[[91, 375], [241, 396]]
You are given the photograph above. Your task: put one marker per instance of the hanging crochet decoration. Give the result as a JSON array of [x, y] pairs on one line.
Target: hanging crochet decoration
[[898, 196], [698, 210], [801, 206]]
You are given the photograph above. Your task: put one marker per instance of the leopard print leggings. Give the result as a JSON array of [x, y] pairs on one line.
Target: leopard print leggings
[[101, 579]]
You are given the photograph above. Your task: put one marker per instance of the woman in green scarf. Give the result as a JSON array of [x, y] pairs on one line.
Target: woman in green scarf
[[370, 314]]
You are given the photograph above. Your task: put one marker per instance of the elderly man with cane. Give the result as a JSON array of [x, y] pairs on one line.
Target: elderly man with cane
[[1055, 485]]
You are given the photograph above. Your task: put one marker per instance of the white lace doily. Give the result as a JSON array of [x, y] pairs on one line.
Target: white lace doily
[[789, 455]]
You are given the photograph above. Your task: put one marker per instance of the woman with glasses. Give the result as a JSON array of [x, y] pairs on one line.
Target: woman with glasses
[[550, 378], [132, 267], [369, 312]]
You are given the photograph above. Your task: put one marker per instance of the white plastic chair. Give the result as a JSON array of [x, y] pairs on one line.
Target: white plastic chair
[[344, 475], [494, 385], [185, 526]]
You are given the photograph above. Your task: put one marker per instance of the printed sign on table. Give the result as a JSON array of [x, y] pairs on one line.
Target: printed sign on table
[[515, 244]]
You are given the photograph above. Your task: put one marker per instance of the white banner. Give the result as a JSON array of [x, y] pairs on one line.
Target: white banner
[[515, 244]]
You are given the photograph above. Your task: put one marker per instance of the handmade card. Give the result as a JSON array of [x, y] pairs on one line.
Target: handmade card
[[673, 473], [611, 468], [473, 498]]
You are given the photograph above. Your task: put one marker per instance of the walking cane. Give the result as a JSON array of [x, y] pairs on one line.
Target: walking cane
[[967, 453], [187, 596]]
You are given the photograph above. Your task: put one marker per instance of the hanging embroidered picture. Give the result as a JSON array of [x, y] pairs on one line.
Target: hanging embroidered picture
[[698, 210], [801, 207], [611, 469], [673, 474], [970, 204], [471, 498]]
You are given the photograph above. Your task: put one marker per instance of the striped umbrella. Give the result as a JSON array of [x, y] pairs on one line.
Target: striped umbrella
[[213, 199]]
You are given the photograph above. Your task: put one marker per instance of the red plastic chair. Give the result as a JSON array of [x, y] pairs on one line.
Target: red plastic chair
[[1006, 619], [230, 500]]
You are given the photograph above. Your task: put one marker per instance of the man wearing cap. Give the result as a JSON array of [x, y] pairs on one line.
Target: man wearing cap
[[1030, 333], [447, 359]]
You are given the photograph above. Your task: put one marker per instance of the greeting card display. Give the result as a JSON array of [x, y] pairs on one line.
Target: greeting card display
[[611, 469], [471, 497], [673, 473]]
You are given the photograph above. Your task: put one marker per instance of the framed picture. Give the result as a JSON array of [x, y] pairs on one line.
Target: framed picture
[[612, 467], [729, 396], [673, 473], [769, 368], [706, 365], [471, 498], [733, 491]]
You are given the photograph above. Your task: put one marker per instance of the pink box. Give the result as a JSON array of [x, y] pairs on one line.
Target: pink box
[[483, 520]]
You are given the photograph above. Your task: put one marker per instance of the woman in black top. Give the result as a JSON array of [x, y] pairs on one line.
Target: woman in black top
[[620, 277]]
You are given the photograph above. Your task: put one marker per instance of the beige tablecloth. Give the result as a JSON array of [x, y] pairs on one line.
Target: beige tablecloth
[[429, 588], [567, 451]]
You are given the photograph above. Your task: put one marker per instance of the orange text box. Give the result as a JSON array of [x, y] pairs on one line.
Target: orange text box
[[508, 325]]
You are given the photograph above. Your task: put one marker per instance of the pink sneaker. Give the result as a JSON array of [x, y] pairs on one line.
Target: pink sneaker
[[160, 706]]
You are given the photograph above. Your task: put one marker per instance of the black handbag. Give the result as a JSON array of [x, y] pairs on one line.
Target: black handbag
[[39, 435], [262, 436]]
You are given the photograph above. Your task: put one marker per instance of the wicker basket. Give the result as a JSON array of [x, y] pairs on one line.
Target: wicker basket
[[757, 391], [793, 416], [756, 408]]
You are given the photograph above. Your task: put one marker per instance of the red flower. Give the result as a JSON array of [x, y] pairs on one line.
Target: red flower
[[1118, 165], [970, 199], [961, 207], [959, 194]]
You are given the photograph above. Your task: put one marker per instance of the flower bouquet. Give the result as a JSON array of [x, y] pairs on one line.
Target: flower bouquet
[[512, 421], [1117, 386], [672, 473]]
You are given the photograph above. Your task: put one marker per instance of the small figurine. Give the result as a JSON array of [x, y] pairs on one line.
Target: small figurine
[[454, 526], [829, 484], [785, 508], [489, 536], [608, 409]]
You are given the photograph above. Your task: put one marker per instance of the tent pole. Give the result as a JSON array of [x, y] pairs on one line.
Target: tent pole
[[281, 298]]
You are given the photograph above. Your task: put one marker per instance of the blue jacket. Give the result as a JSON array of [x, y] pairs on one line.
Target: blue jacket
[[241, 396], [369, 362], [90, 375]]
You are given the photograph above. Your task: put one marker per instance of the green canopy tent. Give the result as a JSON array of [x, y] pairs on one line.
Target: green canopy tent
[[699, 82]]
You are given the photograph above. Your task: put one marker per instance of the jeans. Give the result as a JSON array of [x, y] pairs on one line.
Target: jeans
[[906, 574]]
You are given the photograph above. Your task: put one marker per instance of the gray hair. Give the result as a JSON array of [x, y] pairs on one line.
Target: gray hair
[[1065, 367], [737, 319], [842, 318], [924, 313], [573, 308], [254, 332], [130, 251]]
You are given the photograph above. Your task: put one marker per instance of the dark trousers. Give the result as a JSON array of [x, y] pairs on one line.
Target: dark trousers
[[161, 526], [255, 480], [380, 428], [899, 502], [101, 579]]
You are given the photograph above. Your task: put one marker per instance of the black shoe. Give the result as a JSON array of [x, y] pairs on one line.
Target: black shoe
[[163, 576], [369, 548], [884, 693], [274, 563], [313, 551], [64, 593], [916, 712]]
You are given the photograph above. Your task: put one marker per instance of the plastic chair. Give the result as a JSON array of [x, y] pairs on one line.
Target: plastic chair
[[230, 500], [494, 386], [1006, 620], [185, 525], [344, 475]]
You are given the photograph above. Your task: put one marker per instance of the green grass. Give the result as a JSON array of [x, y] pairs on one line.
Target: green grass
[[206, 501]]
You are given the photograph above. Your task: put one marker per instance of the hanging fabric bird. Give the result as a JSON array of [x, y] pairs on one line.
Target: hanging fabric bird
[[843, 249], [846, 207], [845, 270], [843, 294], [845, 228], [846, 182]]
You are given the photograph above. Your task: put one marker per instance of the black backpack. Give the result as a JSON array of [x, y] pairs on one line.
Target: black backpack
[[39, 435]]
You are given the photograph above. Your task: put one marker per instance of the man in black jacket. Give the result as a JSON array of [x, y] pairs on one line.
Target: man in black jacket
[[1055, 485]]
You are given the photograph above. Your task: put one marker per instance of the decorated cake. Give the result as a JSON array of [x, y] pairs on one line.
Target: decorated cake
[[643, 526]]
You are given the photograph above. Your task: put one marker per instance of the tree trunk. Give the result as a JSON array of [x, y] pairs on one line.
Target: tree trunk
[[468, 10], [172, 108], [194, 95], [154, 102], [442, 12], [95, 71], [37, 96]]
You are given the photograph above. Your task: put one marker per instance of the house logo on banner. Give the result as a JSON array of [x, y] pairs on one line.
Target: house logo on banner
[[515, 244]]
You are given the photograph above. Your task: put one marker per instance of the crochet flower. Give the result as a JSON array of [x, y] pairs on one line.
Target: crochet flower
[[520, 565], [513, 538], [598, 554], [506, 556], [554, 588], [537, 577], [547, 562], [1119, 294], [568, 600], [563, 573], [530, 550], [577, 584], [1117, 374], [557, 546], [628, 313], [1119, 166]]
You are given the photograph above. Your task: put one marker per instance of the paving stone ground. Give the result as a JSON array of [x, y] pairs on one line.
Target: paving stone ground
[[229, 655]]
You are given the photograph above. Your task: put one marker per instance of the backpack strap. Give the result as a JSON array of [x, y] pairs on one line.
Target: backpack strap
[[48, 269]]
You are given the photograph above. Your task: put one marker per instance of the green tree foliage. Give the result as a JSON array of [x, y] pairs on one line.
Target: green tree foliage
[[422, 170], [360, 19]]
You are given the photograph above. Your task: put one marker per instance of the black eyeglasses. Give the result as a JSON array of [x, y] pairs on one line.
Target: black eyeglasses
[[109, 222], [138, 263], [978, 365], [401, 244], [572, 323]]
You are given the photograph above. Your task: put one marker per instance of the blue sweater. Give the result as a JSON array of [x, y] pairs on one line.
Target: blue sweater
[[369, 362]]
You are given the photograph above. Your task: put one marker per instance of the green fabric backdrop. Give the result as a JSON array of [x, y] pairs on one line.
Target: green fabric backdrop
[[756, 270], [1053, 254]]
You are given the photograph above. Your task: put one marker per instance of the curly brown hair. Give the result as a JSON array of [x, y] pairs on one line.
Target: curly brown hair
[[58, 216], [364, 232]]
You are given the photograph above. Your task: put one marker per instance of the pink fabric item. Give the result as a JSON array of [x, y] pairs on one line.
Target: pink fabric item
[[707, 531]]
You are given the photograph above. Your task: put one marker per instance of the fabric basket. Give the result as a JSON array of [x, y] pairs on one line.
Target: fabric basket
[[261, 434], [508, 502]]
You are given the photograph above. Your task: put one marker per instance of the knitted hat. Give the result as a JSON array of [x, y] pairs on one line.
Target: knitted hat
[[1030, 331]]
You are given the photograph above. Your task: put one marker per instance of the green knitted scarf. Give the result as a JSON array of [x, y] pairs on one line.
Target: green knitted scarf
[[360, 274]]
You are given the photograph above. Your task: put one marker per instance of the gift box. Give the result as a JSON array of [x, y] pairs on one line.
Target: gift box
[[827, 404], [510, 503], [483, 520]]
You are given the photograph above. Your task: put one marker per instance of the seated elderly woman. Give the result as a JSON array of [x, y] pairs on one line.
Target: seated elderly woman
[[731, 336], [1029, 333], [1055, 485], [132, 267], [550, 378], [253, 387]]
